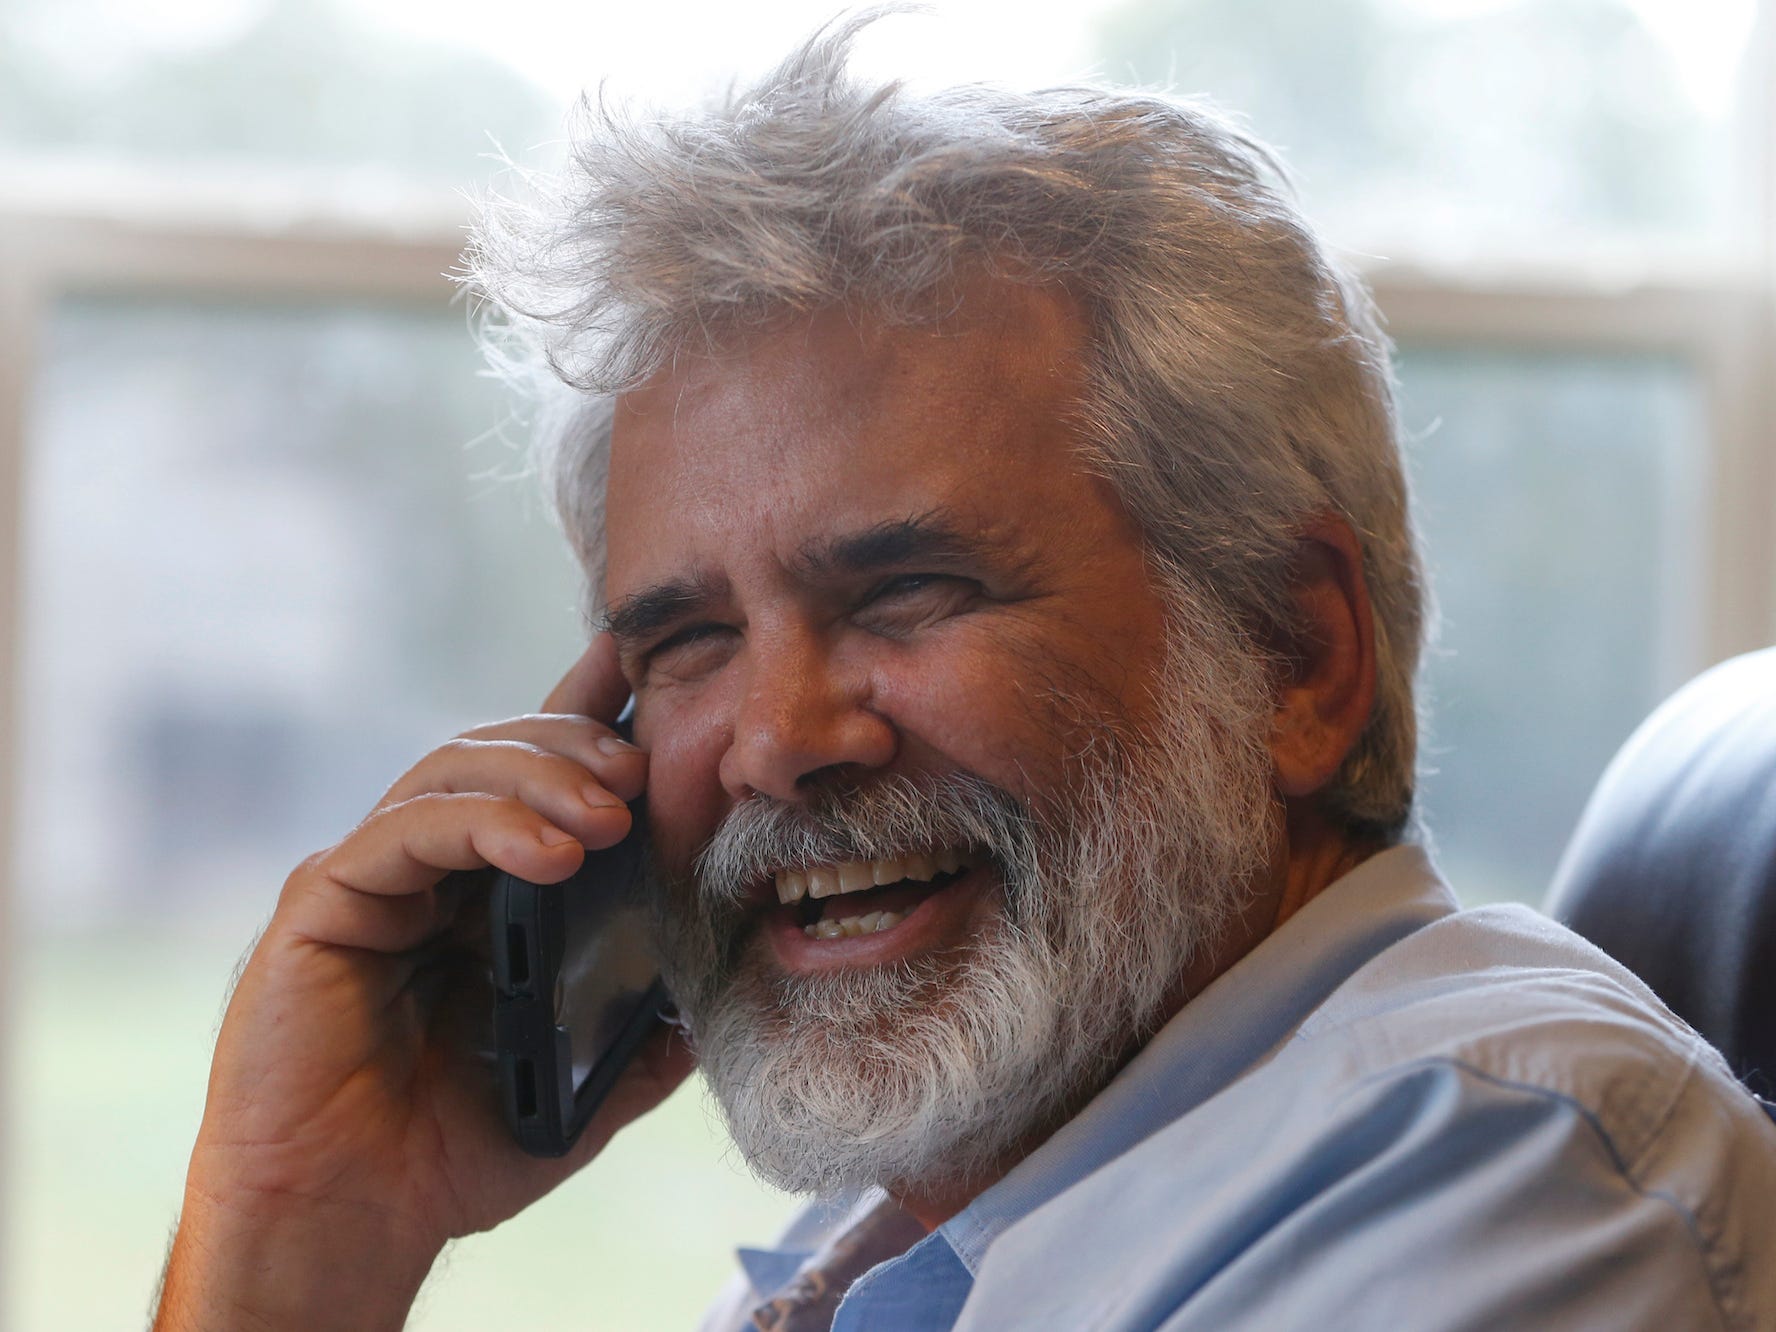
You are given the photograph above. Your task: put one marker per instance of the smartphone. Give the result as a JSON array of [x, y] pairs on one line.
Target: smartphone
[[576, 990]]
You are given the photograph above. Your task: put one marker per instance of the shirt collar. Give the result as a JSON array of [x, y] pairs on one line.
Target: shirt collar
[[769, 1270]]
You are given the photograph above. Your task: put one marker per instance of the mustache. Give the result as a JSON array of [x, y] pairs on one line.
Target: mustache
[[890, 815]]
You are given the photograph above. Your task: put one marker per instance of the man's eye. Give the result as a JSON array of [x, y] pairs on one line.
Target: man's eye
[[910, 601], [691, 650], [907, 585]]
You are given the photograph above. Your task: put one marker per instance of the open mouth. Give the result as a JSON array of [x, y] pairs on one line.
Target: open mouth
[[867, 896]]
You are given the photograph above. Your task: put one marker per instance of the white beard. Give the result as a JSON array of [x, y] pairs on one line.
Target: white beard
[[934, 1070]]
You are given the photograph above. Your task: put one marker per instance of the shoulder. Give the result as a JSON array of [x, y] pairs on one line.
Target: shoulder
[[1489, 1124], [1513, 999]]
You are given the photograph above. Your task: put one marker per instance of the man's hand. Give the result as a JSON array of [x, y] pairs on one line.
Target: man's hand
[[350, 1129]]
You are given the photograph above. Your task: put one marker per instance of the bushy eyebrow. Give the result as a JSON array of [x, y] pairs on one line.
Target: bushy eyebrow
[[930, 536], [653, 608]]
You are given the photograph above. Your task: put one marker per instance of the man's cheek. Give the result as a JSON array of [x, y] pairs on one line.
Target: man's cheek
[[1016, 738], [685, 800]]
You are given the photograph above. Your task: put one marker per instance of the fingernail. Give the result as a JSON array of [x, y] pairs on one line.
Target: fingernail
[[609, 744], [550, 835], [599, 798]]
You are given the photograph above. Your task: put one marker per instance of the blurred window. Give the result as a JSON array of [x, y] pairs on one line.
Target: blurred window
[[1558, 495], [274, 552], [301, 84], [1449, 128]]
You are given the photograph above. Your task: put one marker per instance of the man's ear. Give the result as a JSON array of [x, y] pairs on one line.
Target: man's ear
[[1327, 688]]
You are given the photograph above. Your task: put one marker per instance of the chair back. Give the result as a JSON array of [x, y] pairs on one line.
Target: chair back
[[1672, 870]]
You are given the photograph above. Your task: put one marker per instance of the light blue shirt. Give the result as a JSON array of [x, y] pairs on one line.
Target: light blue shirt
[[1391, 1114]]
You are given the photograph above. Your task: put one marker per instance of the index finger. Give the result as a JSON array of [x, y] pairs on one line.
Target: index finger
[[593, 686]]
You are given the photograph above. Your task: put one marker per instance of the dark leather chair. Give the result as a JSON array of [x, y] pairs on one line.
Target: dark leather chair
[[1672, 869]]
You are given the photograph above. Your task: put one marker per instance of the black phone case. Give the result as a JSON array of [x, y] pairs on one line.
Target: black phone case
[[529, 929]]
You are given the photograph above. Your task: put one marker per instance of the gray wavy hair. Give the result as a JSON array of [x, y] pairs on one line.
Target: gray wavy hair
[[1240, 383]]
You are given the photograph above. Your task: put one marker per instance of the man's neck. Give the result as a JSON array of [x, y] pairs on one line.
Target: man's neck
[[934, 1205]]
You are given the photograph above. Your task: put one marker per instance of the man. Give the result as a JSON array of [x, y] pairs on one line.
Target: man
[[996, 512]]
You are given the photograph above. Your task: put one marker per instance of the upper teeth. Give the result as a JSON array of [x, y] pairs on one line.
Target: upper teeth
[[829, 880]]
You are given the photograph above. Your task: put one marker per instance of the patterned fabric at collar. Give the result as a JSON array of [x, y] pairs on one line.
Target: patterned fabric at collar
[[809, 1300]]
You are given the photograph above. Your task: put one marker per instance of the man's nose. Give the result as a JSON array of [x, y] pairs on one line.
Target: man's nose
[[801, 716]]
